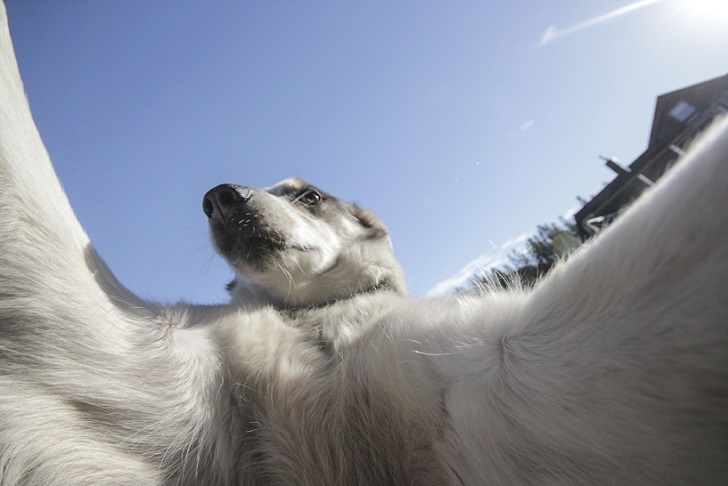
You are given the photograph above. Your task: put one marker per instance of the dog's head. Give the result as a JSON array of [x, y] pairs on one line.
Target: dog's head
[[295, 245]]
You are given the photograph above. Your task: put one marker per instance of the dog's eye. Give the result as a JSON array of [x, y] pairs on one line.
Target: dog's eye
[[310, 198]]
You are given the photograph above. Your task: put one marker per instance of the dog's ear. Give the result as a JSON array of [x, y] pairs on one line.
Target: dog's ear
[[389, 273], [375, 228]]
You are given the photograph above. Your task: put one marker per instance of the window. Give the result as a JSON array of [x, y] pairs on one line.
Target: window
[[682, 111]]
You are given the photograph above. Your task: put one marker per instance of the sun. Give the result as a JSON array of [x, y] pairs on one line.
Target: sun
[[709, 10]]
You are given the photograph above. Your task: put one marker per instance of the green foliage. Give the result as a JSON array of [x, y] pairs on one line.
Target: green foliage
[[551, 243]]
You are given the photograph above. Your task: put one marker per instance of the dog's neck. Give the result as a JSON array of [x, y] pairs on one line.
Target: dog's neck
[[323, 291], [335, 324], [246, 294], [384, 286]]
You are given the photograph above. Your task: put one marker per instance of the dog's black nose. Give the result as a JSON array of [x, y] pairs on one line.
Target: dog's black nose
[[224, 198]]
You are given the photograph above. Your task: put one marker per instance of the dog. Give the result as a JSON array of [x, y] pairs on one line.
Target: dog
[[301, 247], [321, 370]]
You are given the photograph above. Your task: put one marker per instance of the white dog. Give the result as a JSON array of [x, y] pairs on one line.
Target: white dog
[[613, 370]]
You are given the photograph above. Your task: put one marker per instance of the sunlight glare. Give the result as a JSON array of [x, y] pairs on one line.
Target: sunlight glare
[[711, 10]]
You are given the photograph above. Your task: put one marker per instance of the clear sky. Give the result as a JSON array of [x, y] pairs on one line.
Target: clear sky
[[461, 124]]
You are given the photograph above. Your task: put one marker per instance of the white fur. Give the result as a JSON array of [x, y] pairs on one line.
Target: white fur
[[614, 370], [326, 255]]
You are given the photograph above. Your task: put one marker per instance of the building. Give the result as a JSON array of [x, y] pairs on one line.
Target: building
[[679, 117]]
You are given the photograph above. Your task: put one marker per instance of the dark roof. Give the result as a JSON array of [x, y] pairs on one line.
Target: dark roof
[[700, 96], [679, 116]]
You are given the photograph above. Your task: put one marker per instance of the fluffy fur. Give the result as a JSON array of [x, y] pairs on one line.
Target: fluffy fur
[[614, 370], [295, 245]]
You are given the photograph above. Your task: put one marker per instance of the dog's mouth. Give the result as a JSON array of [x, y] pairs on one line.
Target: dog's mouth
[[244, 240], [241, 233], [240, 236]]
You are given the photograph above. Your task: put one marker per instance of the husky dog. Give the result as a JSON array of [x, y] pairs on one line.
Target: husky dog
[[295, 245], [613, 370]]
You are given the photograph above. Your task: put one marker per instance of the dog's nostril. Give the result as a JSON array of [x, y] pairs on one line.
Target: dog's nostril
[[208, 207], [223, 197]]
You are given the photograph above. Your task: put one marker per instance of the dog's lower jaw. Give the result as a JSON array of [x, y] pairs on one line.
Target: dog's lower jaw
[[321, 290], [300, 276]]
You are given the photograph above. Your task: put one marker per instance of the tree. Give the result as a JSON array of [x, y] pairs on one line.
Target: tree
[[551, 243]]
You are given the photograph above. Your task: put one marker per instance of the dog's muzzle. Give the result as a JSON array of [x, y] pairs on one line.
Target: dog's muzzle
[[222, 201]]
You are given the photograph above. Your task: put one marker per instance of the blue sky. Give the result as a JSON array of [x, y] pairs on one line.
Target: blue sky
[[463, 125]]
